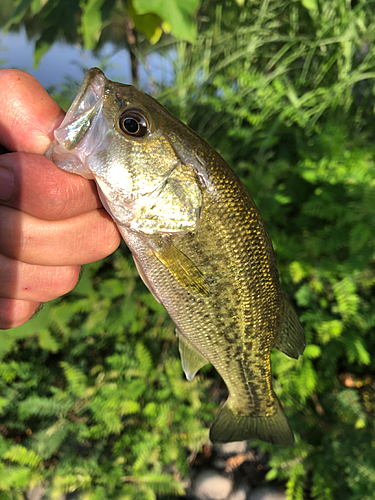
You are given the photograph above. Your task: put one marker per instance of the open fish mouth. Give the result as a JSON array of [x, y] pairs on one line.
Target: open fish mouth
[[72, 144]]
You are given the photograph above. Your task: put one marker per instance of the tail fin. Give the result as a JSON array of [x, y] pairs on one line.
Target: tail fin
[[231, 426]]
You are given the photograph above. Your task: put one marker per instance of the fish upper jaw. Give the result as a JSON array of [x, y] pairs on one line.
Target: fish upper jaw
[[82, 129]]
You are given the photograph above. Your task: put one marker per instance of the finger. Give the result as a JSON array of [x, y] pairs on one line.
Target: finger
[[34, 184], [78, 240], [15, 312], [35, 283], [28, 114]]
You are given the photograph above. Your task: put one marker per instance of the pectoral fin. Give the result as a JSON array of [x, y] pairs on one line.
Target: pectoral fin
[[183, 269], [291, 339], [191, 359]]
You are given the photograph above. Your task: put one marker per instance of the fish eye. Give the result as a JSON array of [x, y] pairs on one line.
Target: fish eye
[[133, 123]]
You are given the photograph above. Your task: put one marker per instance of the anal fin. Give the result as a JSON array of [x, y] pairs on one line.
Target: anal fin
[[183, 269], [291, 339], [191, 359]]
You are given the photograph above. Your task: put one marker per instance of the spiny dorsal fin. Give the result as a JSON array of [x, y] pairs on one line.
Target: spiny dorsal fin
[[291, 339], [183, 269], [191, 359]]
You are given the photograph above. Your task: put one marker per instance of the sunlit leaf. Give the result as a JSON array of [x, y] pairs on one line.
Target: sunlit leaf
[[91, 22], [177, 13]]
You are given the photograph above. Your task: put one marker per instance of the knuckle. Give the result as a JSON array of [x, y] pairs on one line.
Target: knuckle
[[59, 197], [62, 193]]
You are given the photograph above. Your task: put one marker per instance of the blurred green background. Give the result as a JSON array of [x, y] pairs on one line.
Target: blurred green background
[[92, 394]]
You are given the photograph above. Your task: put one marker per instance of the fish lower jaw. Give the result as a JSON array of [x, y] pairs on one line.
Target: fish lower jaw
[[70, 161]]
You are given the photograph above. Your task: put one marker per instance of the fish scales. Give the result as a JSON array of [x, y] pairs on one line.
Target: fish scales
[[198, 241]]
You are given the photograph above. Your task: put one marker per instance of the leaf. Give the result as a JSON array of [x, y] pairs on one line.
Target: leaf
[[328, 330], [272, 474], [162, 484], [177, 13], [42, 407], [69, 483], [3, 403], [12, 478], [50, 440], [18, 13], [76, 378], [22, 456], [129, 407], [37, 5], [144, 358], [347, 299], [310, 5], [359, 236], [40, 321], [148, 24], [91, 22], [47, 341], [363, 355], [312, 351], [297, 271], [306, 380], [349, 407], [42, 45]]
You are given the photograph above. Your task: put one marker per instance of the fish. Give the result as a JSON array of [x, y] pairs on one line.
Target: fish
[[198, 241]]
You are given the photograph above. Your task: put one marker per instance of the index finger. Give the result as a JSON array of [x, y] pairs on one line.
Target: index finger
[[28, 114], [41, 189]]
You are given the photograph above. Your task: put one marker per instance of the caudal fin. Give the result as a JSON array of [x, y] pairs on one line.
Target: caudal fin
[[230, 426]]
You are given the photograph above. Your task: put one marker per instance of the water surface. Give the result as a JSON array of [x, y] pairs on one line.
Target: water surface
[[65, 60]]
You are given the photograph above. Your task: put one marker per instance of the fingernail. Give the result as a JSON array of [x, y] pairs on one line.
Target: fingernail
[[6, 184]]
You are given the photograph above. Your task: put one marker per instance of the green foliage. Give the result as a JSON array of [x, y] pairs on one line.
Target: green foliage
[[176, 14], [288, 99], [105, 405], [85, 20]]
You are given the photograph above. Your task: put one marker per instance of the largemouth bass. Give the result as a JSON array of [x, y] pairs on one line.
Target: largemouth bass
[[198, 241]]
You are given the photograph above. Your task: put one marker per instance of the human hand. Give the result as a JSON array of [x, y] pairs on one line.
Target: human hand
[[51, 222]]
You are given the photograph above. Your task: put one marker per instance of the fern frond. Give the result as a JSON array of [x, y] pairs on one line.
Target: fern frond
[[144, 357], [22, 456], [76, 379]]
